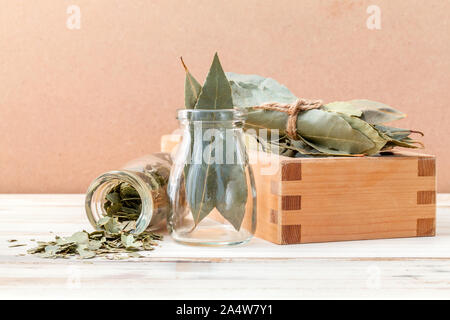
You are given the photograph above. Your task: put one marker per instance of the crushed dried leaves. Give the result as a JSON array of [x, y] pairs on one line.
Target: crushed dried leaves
[[112, 242]]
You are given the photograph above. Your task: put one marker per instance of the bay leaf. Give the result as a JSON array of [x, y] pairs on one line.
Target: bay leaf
[[327, 151], [397, 137], [343, 107], [114, 197], [201, 190], [253, 90], [394, 133], [231, 193], [367, 130], [127, 191], [103, 220], [94, 245], [331, 131], [127, 240], [375, 112], [231, 179], [192, 89], [112, 226], [51, 249], [85, 253], [79, 238]]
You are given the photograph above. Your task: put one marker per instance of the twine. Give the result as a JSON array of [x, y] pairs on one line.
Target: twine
[[292, 109]]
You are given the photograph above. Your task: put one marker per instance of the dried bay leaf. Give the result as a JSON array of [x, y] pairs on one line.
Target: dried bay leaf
[[231, 193], [79, 237], [343, 107], [231, 190], [113, 197], [375, 112], [254, 90], [367, 130], [85, 253], [127, 240], [216, 91], [200, 190], [192, 89], [331, 131]]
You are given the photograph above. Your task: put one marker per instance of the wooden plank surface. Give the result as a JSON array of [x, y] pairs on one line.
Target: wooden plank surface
[[393, 268]]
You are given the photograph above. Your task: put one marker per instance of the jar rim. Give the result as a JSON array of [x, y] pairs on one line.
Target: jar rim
[[124, 176]]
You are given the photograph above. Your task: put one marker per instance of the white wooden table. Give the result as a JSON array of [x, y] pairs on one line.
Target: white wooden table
[[394, 268]]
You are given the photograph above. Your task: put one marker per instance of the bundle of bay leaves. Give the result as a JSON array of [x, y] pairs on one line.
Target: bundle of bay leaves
[[343, 128], [113, 237]]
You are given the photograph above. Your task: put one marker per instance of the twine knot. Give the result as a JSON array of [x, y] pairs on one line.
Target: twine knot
[[292, 109]]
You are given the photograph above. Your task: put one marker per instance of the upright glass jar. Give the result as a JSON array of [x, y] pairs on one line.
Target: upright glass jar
[[148, 177], [211, 186]]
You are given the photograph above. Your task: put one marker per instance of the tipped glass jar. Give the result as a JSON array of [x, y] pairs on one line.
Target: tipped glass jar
[[136, 195], [211, 186]]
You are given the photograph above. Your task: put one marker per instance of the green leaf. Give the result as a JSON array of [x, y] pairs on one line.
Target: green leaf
[[216, 91], [343, 107], [201, 190], [331, 131], [52, 250], [324, 150], [367, 130], [79, 238], [231, 193], [127, 240], [112, 226], [127, 191], [394, 133], [397, 137], [252, 90], [102, 221], [85, 253], [375, 112], [231, 180], [114, 197], [192, 89], [94, 245]]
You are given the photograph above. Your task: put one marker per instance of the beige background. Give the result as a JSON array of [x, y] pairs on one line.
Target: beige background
[[75, 103]]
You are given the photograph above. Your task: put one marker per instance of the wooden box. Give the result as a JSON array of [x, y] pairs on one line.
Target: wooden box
[[303, 200]]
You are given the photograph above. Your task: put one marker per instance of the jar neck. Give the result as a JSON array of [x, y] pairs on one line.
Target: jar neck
[[205, 125], [218, 118], [102, 185]]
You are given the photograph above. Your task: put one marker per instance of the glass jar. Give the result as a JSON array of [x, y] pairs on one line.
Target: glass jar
[[211, 186], [142, 183]]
